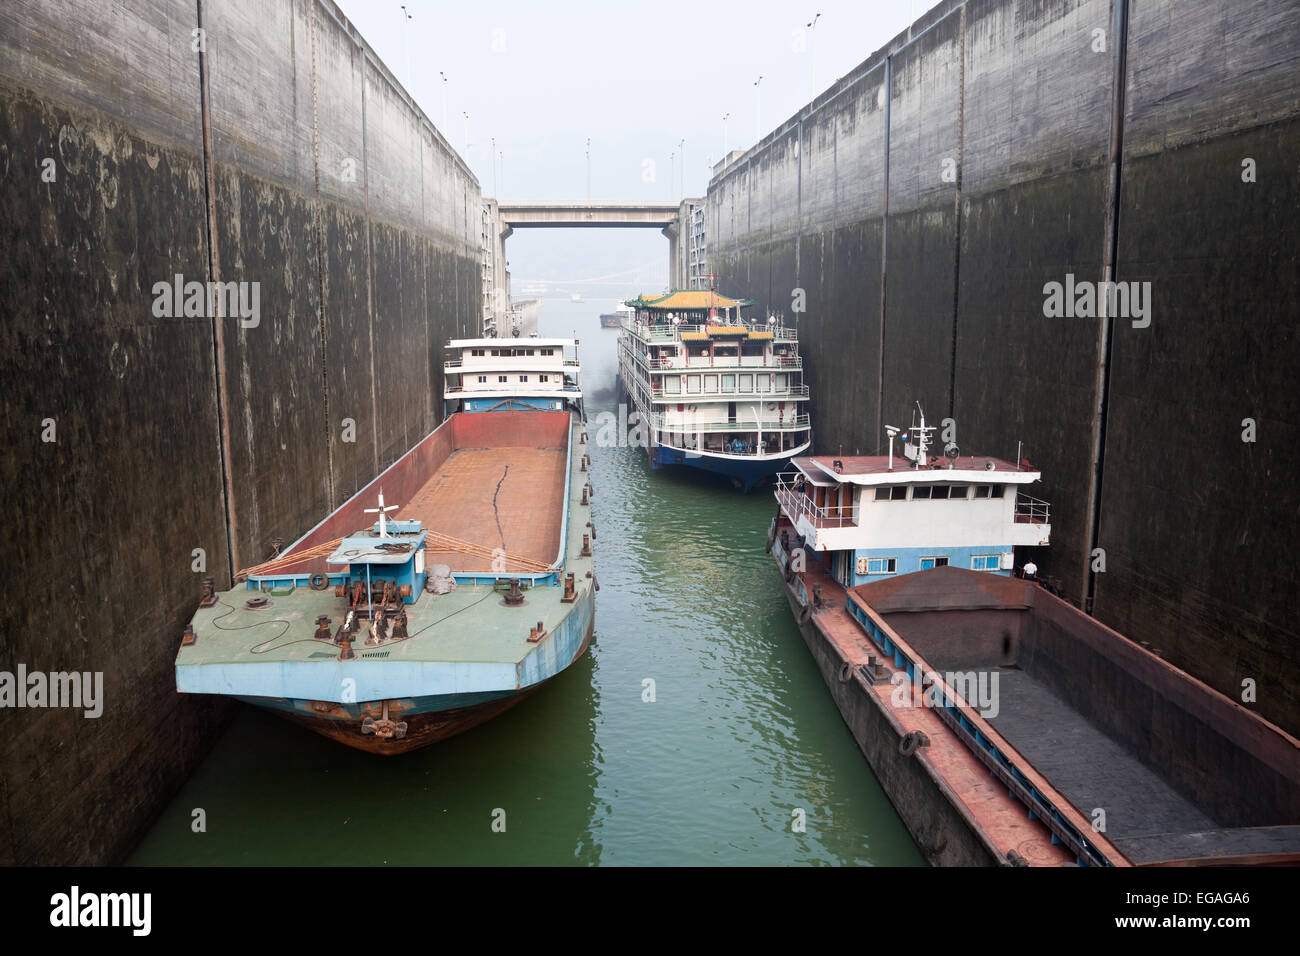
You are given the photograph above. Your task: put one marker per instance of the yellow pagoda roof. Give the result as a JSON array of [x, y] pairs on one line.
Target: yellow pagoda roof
[[686, 300]]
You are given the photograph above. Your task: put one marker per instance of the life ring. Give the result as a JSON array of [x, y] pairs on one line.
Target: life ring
[[912, 742], [846, 672], [318, 582], [805, 614]]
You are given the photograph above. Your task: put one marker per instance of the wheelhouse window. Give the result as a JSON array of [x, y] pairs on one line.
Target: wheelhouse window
[[995, 491], [957, 491], [882, 494], [981, 491], [939, 491], [984, 562], [921, 492]]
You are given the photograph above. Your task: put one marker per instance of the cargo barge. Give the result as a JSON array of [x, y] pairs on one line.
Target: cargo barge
[[1006, 726], [713, 391], [451, 587]]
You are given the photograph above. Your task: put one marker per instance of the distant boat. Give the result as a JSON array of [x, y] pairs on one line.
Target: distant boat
[[614, 320]]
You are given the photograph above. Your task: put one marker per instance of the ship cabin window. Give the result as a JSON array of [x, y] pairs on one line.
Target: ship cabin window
[[882, 494], [780, 382], [543, 378], [995, 491], [693, 384], [896, 493], [877, 565], [937, 562], [921, 492], [957, 491], [710, 383], [477, 351], [673, 384], [747, 382], [981, 491], [984, 562], [546, 352], [728, 383], [763, 383], [483, 379], [503, 378], [939, 491], [523, 378]]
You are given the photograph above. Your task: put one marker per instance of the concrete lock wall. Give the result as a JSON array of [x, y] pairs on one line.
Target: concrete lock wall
[[360, 227], [923, 202]]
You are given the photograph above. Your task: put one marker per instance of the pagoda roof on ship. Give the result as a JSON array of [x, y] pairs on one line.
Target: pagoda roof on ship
[[687, 300]]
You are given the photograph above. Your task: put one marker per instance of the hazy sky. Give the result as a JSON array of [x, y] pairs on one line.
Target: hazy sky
[[635, 78]]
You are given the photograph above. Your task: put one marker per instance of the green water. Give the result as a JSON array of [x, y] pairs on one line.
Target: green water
[[741, 733]]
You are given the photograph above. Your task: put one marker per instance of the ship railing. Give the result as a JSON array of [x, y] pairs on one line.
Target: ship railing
[[767, 395], [794, 501], [1030, 510], [793, 423], [665, 332], [452, 363], [747, 363]]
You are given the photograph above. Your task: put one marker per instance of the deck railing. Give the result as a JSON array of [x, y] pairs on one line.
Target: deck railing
[[793, 423], [795, 502], [1031, 510]]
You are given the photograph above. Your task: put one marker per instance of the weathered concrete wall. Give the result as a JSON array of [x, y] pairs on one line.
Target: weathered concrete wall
[[923, 202], [359, 226]]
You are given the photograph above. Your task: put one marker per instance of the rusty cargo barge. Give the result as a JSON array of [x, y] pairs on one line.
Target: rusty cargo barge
[[1006, 726]]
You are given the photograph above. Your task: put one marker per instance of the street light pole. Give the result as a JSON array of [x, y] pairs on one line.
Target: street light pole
[[672, 172], [444, 100], [406, 45], [756, 108], [588, 171], [681, 148], [725, 116], [812, 28]]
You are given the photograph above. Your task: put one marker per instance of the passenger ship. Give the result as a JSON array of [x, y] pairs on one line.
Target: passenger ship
[[452, 586], [714, 392]]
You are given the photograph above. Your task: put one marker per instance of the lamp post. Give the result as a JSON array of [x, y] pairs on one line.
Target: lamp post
[[672, 172], [588, 171], [812, 28], [725, 117], [444, 100], [681, 148], [406, 45]]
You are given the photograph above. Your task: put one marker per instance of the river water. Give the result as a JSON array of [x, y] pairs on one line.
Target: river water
[[740, 743]]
